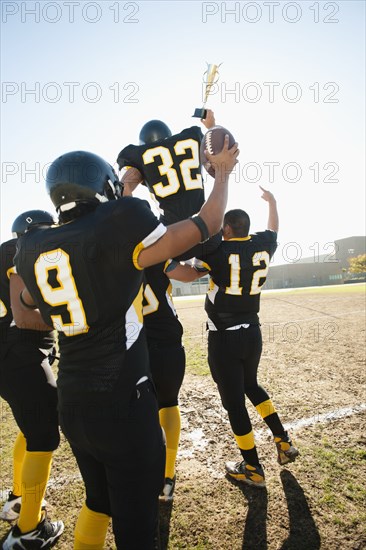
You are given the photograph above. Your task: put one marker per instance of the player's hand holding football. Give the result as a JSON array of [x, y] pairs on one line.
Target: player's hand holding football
[[224, 162], [267, 195]]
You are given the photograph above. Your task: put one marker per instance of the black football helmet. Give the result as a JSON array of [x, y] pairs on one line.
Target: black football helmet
[[30, 219], [153, 131], [81, 177]]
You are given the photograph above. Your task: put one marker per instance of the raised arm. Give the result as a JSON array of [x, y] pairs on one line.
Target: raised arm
[[273, 220], [183, 235], [131, 179], [209, 121]]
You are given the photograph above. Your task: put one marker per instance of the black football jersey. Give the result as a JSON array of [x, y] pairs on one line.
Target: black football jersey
[[160, 318], [85, 279], [171, 169], [238, 270], [7, 251], [10, 333]]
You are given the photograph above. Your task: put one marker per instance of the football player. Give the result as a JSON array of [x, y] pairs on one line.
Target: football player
[[238, 270], [86, 277], [28, 385], [166, 353], [170, 167]]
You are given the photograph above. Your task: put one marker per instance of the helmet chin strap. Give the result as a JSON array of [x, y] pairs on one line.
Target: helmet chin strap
[[112, 187], [68, 206], [73, 204], [101, 198], [110, 193]]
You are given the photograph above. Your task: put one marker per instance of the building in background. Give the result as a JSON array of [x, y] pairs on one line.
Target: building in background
[[190, 289], [317, 270]]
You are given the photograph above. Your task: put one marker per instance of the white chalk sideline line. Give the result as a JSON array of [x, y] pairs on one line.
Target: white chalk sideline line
[[323, 418], [199, 442]]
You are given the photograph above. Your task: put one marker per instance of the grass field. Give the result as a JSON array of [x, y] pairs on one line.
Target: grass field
[[313, 367]]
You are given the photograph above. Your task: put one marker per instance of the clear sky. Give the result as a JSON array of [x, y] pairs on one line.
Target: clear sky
[[88, 75]]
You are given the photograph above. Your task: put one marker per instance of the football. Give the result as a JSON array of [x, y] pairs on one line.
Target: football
[[213, 142]]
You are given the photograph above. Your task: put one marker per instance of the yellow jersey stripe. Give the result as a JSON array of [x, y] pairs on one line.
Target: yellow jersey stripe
[[11, 271], [154, 236], [240, 238]]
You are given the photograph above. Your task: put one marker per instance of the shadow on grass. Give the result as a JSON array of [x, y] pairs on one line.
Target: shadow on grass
[[165, 512], [304, 534], [255, 528]]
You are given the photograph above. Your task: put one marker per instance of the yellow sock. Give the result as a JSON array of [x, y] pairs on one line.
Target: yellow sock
[[266, 408], [90, 530], [245, 442], [18, 457], [170, 422], [35, 474]]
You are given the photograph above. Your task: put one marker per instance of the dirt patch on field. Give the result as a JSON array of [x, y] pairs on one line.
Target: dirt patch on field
[[313, 368]]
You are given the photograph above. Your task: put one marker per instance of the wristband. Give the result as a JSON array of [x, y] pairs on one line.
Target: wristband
[[28, 306], [201, 224]]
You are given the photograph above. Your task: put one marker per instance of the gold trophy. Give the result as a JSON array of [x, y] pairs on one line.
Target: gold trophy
[[210, 77]]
